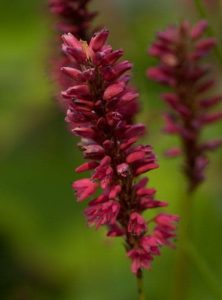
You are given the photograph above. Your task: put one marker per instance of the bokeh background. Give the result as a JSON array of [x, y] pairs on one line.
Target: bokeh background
[[46, 250]]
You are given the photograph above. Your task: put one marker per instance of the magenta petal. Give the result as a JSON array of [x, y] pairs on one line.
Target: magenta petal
[[113, 90]]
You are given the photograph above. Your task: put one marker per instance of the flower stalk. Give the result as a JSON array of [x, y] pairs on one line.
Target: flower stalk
[[140, 286], [182, 259]]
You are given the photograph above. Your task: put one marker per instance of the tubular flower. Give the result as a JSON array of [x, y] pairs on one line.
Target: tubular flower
[[101, 109], [180, 51], [72, 16]]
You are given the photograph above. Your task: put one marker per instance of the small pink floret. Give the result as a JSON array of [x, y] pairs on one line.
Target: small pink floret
[[84, 188], [137, 224]]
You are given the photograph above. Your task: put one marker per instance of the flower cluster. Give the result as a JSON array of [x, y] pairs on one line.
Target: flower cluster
[[101, 109], [180, 51], [72, 16]]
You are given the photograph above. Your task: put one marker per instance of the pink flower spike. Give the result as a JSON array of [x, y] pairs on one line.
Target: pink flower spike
[[84, 188], [188, 78], [101, 108]]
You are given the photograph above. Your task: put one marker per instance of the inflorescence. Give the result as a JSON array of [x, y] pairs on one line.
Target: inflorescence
[[101, 110], [180, 51]]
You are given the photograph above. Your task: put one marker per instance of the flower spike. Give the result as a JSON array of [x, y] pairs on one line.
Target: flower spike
[[180, 51], [101, 107]]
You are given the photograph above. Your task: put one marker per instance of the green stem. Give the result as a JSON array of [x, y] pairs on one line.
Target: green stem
[[140, 287], [204, 270], [180, 283], [202, 12]]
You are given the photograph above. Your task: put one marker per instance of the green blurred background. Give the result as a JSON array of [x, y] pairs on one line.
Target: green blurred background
[[46, 249]]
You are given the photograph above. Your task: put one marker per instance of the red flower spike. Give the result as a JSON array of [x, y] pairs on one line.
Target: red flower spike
[[180, 51], [101, 110]]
